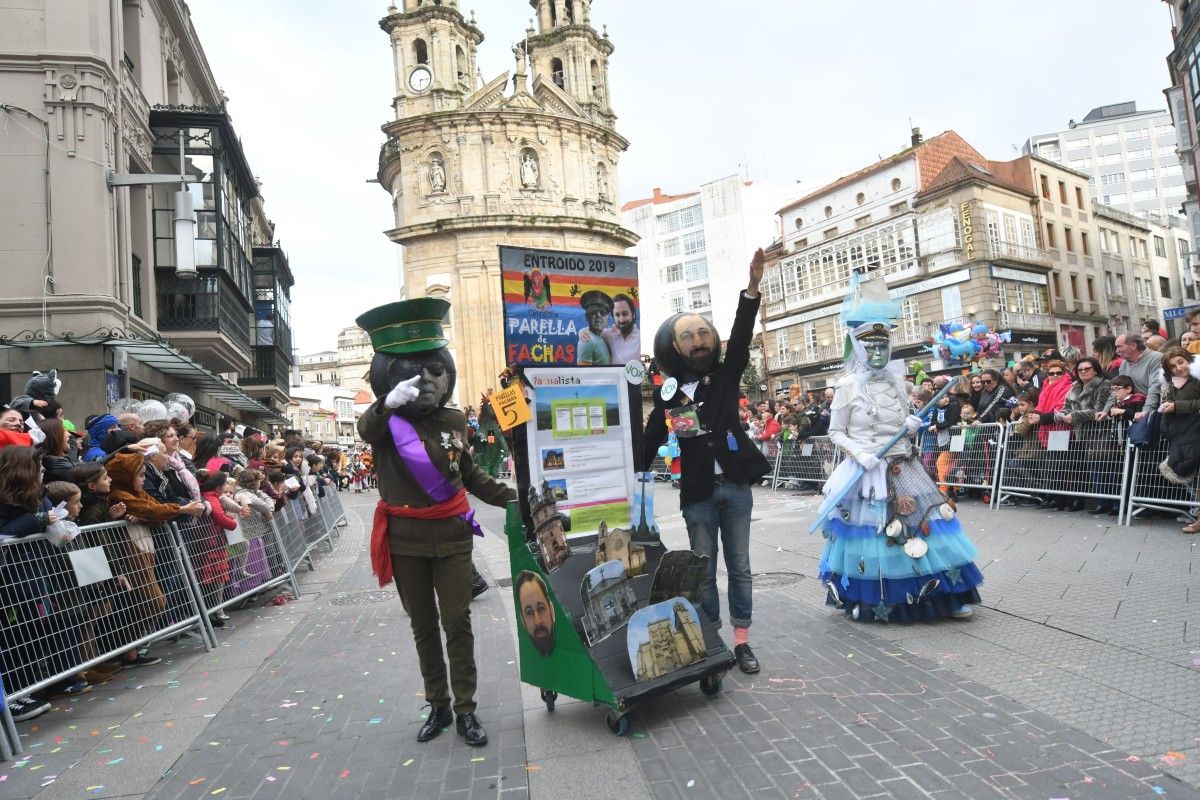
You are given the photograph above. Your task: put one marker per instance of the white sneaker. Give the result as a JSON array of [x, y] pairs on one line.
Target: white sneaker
[[963, 612]]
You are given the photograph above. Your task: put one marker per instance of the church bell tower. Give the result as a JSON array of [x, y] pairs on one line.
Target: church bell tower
[[566, 51], [433, 49]]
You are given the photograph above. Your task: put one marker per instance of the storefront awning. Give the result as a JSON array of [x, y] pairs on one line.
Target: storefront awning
[[163, 357], [160, 355]]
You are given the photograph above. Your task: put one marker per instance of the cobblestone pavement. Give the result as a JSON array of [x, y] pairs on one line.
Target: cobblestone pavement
[[1056, 689]]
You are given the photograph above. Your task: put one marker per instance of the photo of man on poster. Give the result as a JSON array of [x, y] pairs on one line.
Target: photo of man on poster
[[593, 348], [624, 338]]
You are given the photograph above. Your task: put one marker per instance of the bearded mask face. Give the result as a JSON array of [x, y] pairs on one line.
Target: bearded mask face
[[687, 347], [437, 371]]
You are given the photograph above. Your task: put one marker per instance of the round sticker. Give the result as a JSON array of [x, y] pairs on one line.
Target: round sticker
[[669, 387], [635, 372]]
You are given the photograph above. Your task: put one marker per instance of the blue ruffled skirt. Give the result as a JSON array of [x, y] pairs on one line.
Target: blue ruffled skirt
[[874, 579]]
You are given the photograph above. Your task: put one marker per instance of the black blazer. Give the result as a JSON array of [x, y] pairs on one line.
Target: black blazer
[[718, 393]]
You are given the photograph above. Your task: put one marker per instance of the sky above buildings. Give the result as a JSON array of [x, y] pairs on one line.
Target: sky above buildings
[[783, 91]]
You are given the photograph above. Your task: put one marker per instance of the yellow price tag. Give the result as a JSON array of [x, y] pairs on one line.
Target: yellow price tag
[[510, 407]]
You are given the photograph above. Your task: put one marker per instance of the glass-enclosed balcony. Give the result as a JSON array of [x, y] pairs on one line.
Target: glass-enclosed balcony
[[207, 318]]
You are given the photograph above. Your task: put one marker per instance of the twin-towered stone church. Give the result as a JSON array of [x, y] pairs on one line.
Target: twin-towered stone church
[[528, 158]]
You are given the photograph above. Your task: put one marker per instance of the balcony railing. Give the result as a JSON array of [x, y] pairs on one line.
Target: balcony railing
[[269, 369], [1015, 252], [206, 303], [1026, 321]]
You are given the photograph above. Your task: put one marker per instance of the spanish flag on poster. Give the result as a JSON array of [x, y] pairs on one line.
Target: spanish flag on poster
[[579, 309]]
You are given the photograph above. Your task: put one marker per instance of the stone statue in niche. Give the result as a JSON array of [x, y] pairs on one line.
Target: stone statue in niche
[[602, 182], [437, 176], [530, 174]]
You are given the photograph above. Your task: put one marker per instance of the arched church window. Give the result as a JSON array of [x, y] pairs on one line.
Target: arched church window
[[596, 79], [556, 73], [460, 63], [420, 51]]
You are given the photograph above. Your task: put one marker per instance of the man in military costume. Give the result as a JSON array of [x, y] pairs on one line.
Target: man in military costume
[[422, 532]]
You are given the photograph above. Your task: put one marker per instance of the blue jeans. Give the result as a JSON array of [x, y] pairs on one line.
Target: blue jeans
[[723, 520]]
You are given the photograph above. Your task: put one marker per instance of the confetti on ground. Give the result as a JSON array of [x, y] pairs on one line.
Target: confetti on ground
[[374, 720], [406, 763], [282, 769], [477, 758], [197, 781], [115, 761], [691, 783], [314, 755], [533, 768], [345, 774], [271, 778], [217, 791]]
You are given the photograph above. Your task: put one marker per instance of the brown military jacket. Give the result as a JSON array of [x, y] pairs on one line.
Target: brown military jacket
[[444, 433]]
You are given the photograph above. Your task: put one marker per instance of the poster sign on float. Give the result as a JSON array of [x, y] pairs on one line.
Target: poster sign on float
[[578, 443], [569, 308]]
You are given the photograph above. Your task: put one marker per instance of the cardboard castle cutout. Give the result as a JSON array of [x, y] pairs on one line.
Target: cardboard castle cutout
[[616, 544], [608, 600], [549, 527], [664, 637]]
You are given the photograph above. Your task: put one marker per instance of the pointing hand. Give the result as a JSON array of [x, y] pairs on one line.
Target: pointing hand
[[405, 392]]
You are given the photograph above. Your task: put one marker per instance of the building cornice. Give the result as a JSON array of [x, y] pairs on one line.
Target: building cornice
[[564, 33], [516, 223], [425, 14], [441, 121]]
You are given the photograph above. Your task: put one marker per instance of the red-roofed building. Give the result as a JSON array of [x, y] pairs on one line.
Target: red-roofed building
[[955, 236]]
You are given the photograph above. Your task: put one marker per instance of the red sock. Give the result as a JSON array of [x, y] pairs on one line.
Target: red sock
[[741, 636]]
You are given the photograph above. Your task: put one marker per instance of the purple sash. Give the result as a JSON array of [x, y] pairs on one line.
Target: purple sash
[[412, 452]]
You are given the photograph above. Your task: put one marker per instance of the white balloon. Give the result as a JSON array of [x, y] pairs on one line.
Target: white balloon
[[126, 405], [183, 400], [177, 410], [152, 410]]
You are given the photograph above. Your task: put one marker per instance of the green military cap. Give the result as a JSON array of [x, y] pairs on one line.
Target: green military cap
[[407, 326]]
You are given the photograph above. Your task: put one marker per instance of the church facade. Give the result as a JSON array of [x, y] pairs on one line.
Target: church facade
[[526, 159]]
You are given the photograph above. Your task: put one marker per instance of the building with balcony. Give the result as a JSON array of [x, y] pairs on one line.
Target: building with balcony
[[694, 248], [1183, 101], [323, 412], [1129, 156], [91, 285], [347, 366], [953, 234]]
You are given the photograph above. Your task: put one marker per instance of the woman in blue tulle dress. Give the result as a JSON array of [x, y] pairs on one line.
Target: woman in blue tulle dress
[[894, 548]]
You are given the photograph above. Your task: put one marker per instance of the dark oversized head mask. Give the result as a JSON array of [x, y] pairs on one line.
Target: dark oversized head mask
[[409, 340], [687, 347]]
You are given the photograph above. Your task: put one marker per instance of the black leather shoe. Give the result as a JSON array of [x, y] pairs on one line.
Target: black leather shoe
[[479, 584], [747, 661], [439, 717], [471, 729]]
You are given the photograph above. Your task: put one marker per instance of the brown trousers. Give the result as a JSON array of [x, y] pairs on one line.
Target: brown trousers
[[433, 588]]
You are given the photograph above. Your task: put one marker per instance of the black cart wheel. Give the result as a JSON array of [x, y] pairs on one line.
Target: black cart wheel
[[548, 697], [710, 685], [618, 724]]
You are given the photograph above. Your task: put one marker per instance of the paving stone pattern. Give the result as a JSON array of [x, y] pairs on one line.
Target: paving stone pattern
[[335, 712]]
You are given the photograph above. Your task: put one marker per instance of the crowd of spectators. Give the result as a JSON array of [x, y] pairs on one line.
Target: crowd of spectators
[[145, 473], [1094, 398]]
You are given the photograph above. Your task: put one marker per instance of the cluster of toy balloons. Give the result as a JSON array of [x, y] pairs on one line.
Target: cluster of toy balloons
[[956, 343], [174, 406], [669, 451]]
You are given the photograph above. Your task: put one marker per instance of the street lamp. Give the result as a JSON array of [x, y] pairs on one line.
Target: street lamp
[[183, 220]]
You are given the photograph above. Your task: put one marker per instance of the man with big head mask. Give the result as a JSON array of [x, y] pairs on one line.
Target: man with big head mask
[[422, 532], [699, 402]]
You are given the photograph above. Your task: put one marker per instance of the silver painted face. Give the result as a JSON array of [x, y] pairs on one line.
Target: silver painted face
[[878, 353]]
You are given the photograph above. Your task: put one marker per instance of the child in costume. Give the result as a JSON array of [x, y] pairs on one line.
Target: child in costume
[[894, 550]]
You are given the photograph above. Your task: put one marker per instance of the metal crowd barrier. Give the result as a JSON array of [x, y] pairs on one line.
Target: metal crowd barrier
[[805, 462], [120, 586], [1149, 490], [1089, 461], [964, 456]]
